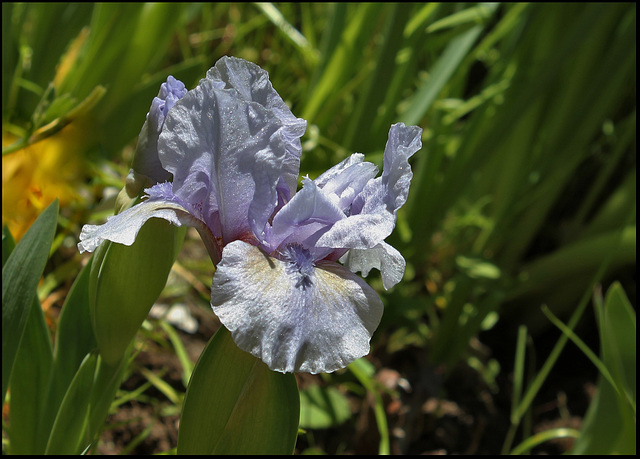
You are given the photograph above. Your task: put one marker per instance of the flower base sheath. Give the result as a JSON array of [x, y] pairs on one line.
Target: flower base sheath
[[284, 285]]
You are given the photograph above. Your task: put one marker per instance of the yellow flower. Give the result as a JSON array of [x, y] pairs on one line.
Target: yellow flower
[[39, 173]]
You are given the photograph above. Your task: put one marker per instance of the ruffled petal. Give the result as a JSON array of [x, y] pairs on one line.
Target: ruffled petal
[[253, 85], [358, 232], [293, 315], [403, 142], [309, 212], [124, 227], [329, 174], [383, 257], [373, 211], [345, 185], [226, 156]]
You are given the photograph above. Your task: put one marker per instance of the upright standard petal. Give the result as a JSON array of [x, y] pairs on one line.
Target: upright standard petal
[[226, 156], [253, 85], [293, 314], [403, 142], [373, 212], [303, 219]]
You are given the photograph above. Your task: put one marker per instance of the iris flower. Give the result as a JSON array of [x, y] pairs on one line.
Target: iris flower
[[285, 283]]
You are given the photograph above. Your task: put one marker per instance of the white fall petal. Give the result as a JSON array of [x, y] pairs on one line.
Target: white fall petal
[[124, 227], [311, 318]]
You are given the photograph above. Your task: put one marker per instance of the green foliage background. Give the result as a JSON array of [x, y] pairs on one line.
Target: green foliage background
[[523, 194]]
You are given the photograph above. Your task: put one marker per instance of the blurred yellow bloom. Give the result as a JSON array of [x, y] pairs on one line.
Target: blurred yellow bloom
[[37, 174]]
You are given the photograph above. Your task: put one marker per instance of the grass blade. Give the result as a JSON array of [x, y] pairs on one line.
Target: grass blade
[[20, 276], [73, 342], [290, 32], [441, 73], [544, 436], [363, 371], [359, 136]]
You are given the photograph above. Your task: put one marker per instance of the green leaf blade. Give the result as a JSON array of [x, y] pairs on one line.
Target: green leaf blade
[[610, 423], [236, 405], [29, 378], [20, 277], [72, 420], [323, 407]]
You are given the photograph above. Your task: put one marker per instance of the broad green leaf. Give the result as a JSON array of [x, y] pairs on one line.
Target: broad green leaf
[[610, 423], [126, 281], [74, 335], [30, 380], [20, 276], [236, 405], [74, 340], [323, 407], [619, 350], [68, 432]]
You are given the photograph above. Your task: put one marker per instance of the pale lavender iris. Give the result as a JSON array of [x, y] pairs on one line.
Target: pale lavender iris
[[233, 149]]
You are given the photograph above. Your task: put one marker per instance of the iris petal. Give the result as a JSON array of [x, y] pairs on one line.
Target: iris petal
[[309, 212], [383, 257], [373, 212], [253, 85], [124, 227], [345, 186], [233, 147], [329, 174], [293, 316], [146, 159], [225, 154]]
